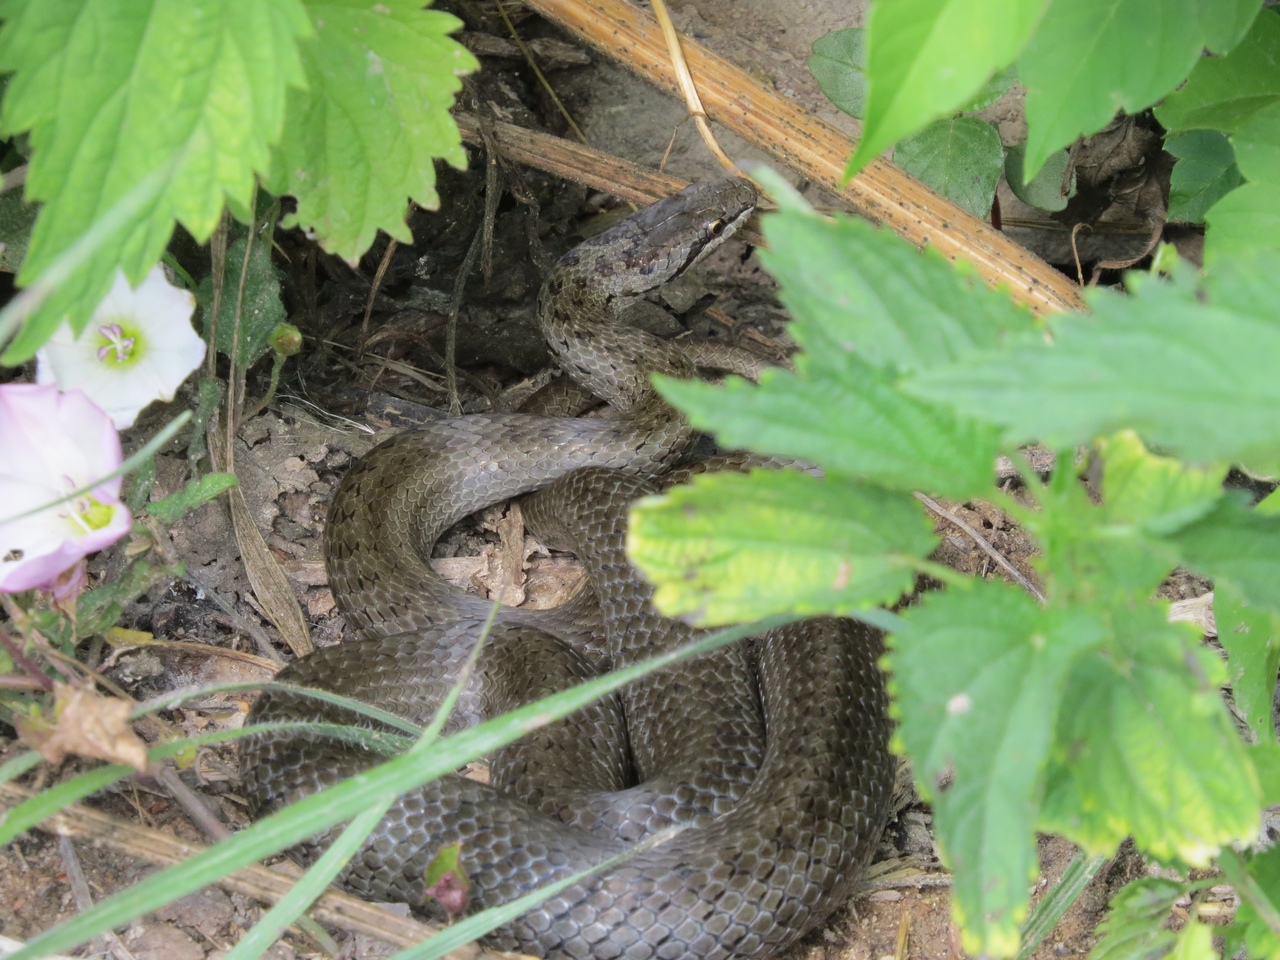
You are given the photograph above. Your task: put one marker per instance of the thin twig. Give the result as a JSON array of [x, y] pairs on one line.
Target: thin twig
[[687, 88], [992, 552]]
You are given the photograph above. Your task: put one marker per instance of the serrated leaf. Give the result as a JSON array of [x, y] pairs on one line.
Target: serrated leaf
[[1044, 190], [16, 220], [856, 423], [361, 141], [960, 158], [1242, 223], [976, 677], [1205, 172], [196, 493], [838, 63], [927, 58], [260, 311], [1145, 747], [1158, 494], [1223, 92], [1088, 60], [1129, 366], [734, 547], [182, 99], [1251, 637], [851, 287], [1236, 544], [1133, 928]]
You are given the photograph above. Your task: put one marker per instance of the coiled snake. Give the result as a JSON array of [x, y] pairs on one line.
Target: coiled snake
[[775, 757]]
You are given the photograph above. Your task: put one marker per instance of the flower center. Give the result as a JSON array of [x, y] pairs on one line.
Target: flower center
[[117, 346]]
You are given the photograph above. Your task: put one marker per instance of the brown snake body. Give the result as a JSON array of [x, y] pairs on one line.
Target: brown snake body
[[773, 758]]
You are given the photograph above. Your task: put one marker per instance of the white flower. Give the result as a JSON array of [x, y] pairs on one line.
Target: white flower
[[139, 346], [54, 443]]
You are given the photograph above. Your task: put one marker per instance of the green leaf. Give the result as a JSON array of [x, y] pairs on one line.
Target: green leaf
[[1205, 172], [1223, 92], [927, 58], [1158, 495], [851, 287], [1145, 747], [1129, 365], [977, 674], [733, 544], [1251, 637], [996, 87], [960, 158], [1236, 544], [361, 141], [1088, 60], [1243, 222], [16, 219], [1134, 924], [858, 424], [196, 493], [261, 310], [187, 95], [1259, 939], [1257, 145], [1044, 190], [838, 64]]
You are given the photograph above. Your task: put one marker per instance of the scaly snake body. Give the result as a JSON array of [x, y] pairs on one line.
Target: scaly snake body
[[774, 758]]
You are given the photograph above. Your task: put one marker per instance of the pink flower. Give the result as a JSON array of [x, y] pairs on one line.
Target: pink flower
[[52, 444]]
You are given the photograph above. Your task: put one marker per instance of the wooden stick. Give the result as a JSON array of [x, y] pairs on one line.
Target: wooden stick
[[882, 193]]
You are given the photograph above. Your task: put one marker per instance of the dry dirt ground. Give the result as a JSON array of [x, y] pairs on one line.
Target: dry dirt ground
[[290, 458]]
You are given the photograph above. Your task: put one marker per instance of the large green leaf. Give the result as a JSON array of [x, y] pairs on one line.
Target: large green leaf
[[1145, 747], [1133, 365], [926, 59], [361, 141], [1091, 58], [1257, 145], [960, 158], [977, 676], [1251, 636], [1223, 92], [184, 97], [850, 287], [1205, 172], [732, 544], [1236, 544], [1245, 221]]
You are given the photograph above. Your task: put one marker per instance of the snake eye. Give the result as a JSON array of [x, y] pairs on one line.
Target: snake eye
[[715, 228]]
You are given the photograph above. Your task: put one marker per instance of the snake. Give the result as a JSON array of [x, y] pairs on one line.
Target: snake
[[750, 784]]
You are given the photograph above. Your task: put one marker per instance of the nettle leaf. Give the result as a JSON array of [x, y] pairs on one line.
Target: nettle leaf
[[1251, 637], [1239, 545], [1223, 92], [857, 424], [838, 63], [927, 58], [960, 158], [1044, 190], [1145, 747], [976, 676], [162, 109], [1088, 60], [735, 547], [361, 141], [1129, 365], [1157, 494], [1205, 172], [261, 310], [1257, 145], [1134, 924], [1243, 222], [851, 287]]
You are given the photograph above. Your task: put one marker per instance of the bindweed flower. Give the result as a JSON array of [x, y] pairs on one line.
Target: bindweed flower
[[138, 347], [55, 443]]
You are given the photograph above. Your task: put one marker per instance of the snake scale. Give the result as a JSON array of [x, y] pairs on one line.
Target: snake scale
[[771, 755]]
